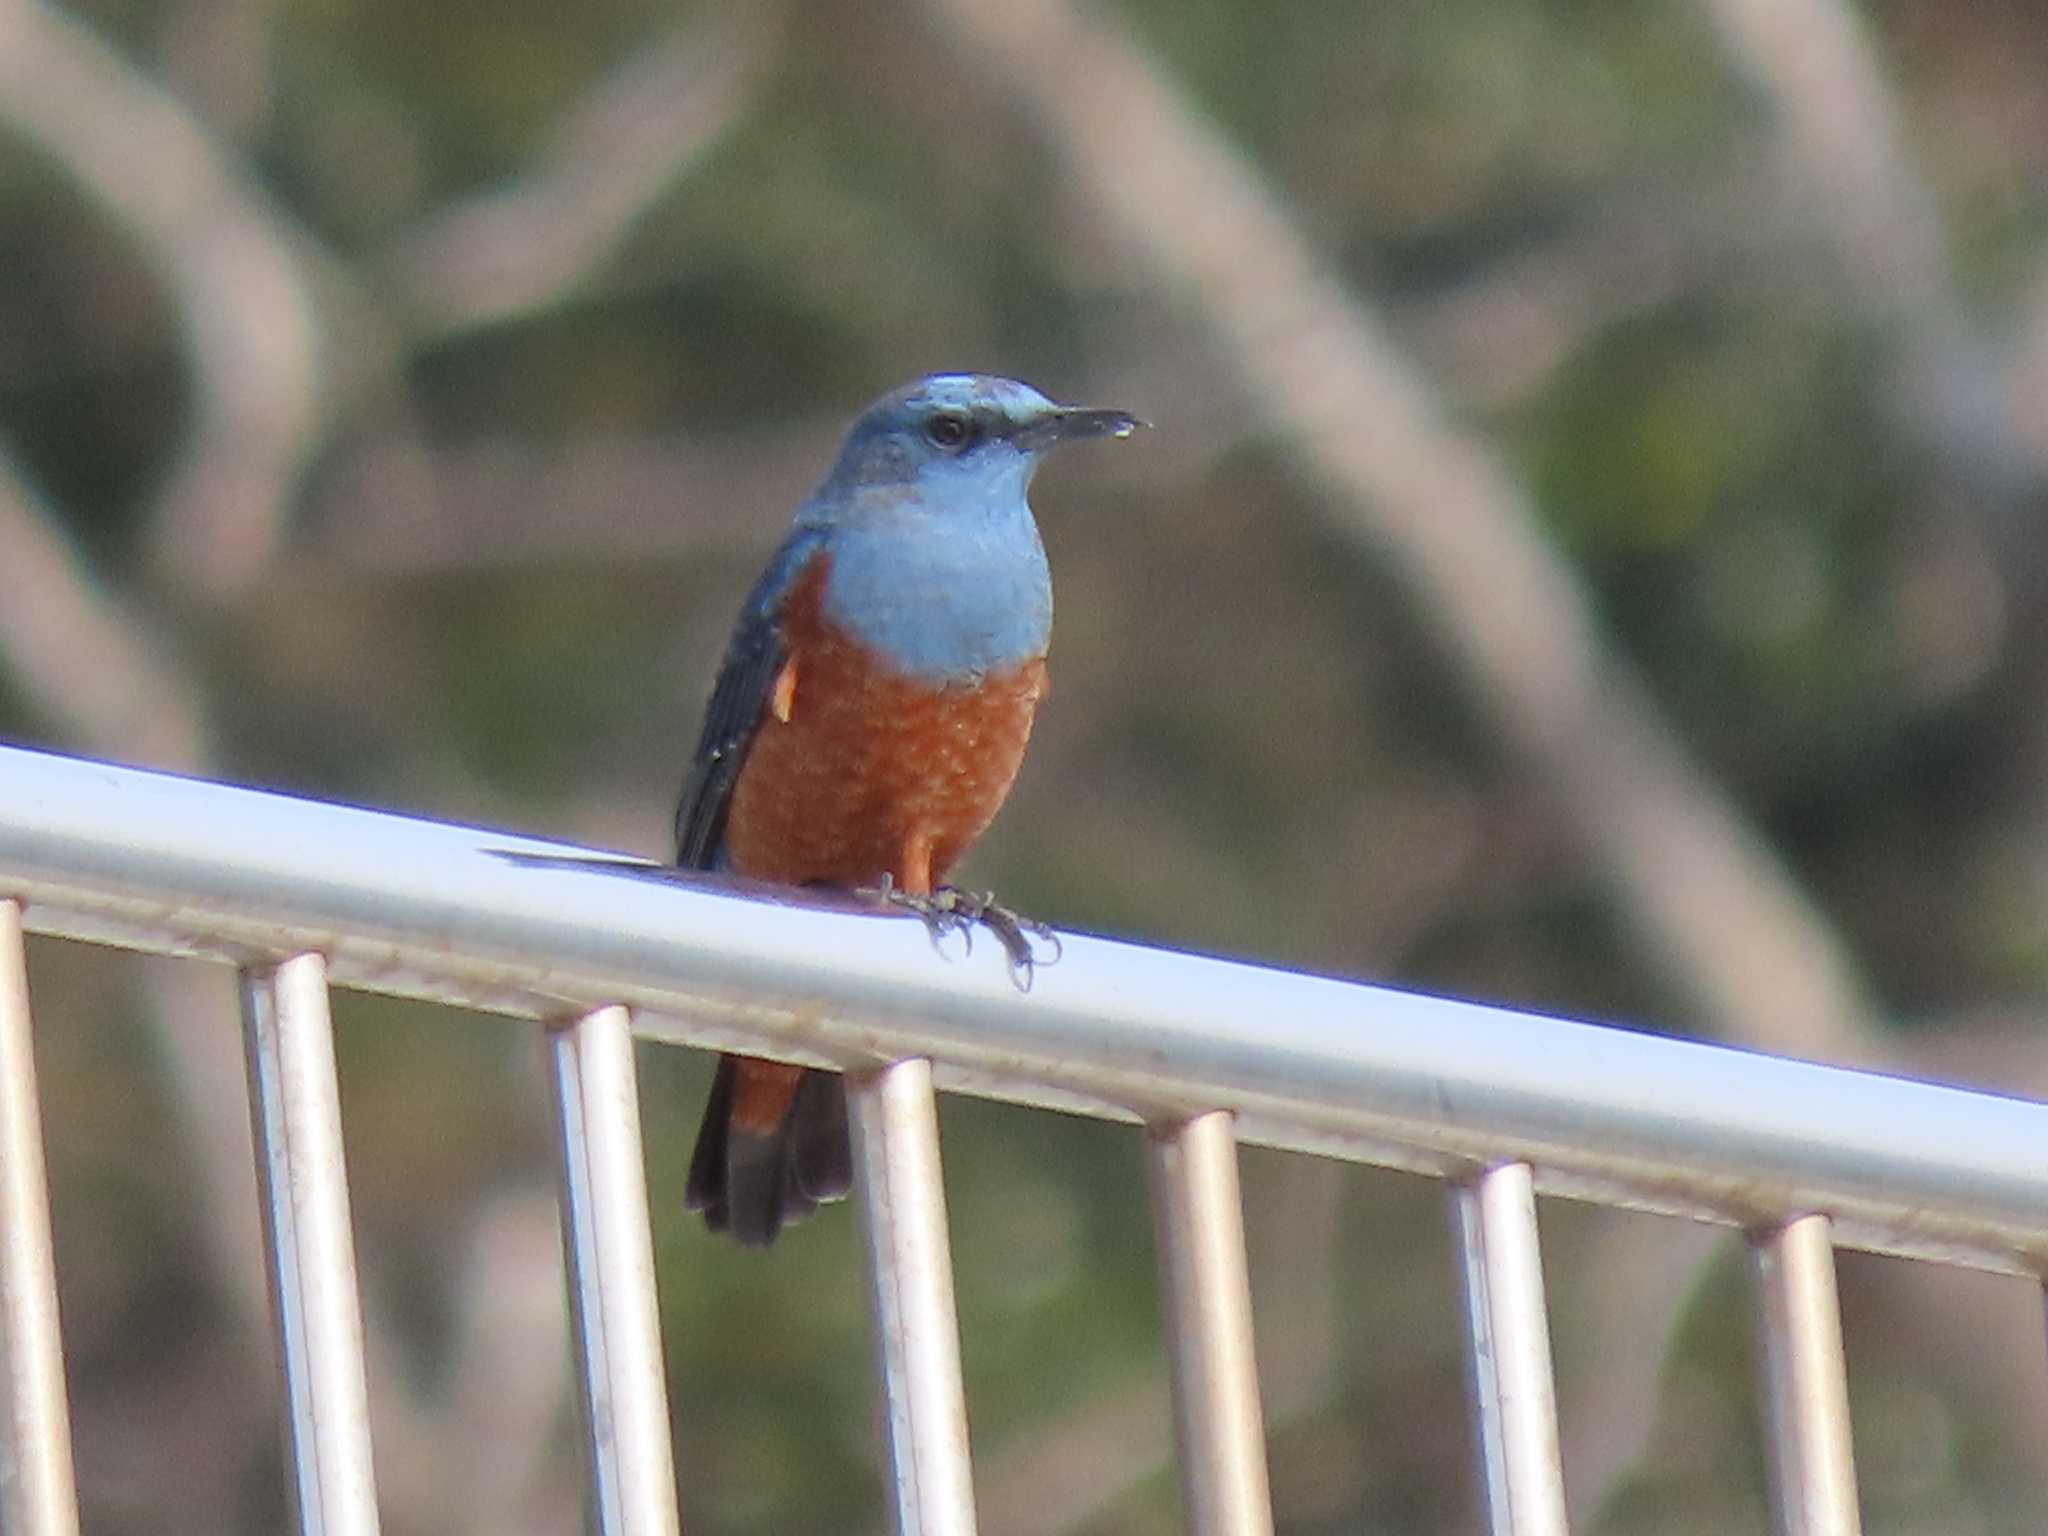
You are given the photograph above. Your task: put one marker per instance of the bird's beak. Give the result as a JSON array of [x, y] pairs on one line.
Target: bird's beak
[[1073, 424]]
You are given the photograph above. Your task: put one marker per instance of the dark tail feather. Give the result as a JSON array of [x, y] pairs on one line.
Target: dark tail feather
[[821, 1149], [750, 1184], [705, 1190]]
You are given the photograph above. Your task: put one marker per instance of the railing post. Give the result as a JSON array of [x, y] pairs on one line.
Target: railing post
[[296, 1114], [610, 1255], [1805, 1381], [910, 1278], [37, 1497], [1198, 1225], [1507, 1335]]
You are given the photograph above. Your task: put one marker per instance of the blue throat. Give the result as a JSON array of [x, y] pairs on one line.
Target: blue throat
[[946, 581]]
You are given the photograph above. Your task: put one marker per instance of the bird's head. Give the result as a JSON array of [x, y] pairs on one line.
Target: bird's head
[[972, 435]]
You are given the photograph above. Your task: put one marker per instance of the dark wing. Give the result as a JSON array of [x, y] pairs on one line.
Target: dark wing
[[753, 659]]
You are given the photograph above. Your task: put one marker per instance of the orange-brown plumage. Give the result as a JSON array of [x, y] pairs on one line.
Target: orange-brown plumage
[[869, 773], [763, 1094], [858, 773]]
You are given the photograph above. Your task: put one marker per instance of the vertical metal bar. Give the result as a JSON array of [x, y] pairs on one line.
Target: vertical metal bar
[[610, 1254], [910, 1281], [1805, 1381], [36, 1493], [1198, 1222], [1514, 1403], [296, 1114]]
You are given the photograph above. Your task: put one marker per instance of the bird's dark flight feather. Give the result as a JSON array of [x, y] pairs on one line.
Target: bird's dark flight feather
[[750, 1183], [752, 661]]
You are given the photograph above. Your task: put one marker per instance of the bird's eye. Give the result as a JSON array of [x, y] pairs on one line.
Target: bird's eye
[[951, 430]]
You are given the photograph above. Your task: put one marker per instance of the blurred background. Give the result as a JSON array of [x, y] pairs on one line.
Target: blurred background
[[1587, 559]]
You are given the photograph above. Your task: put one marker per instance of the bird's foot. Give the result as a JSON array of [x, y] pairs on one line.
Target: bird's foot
[[950, 910]]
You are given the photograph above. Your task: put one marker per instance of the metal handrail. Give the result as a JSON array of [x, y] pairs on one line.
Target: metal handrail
[[508, 924], [1502, 1103]]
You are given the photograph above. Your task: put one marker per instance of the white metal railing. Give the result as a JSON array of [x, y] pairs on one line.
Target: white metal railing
[[1502, 1105]]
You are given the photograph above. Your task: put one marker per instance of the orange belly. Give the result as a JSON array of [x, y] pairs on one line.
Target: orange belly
[[858, 772]]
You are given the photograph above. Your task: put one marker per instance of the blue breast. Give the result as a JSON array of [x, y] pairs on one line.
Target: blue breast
[[945, 594]]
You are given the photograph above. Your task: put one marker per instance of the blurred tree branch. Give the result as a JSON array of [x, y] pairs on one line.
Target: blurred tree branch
[[1969, 397], [226, 259], [624, 144], [1713, 906], [1716, 910], [1840, 121], [1501, 336], [78, 652], [404, 507], [263, 311]]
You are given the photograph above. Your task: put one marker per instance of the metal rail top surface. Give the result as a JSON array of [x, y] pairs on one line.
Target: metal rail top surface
[[519, 926]]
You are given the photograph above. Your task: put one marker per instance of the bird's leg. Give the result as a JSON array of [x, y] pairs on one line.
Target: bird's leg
[[949, 910], [1013, 930], [939, 917]]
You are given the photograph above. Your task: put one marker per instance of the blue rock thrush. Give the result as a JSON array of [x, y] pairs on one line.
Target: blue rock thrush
[[868, 720]]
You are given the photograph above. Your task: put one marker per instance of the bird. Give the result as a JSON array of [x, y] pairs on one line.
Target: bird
[[867, 722]]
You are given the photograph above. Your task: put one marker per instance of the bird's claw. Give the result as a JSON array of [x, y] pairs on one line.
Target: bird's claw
[[950, 910]]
